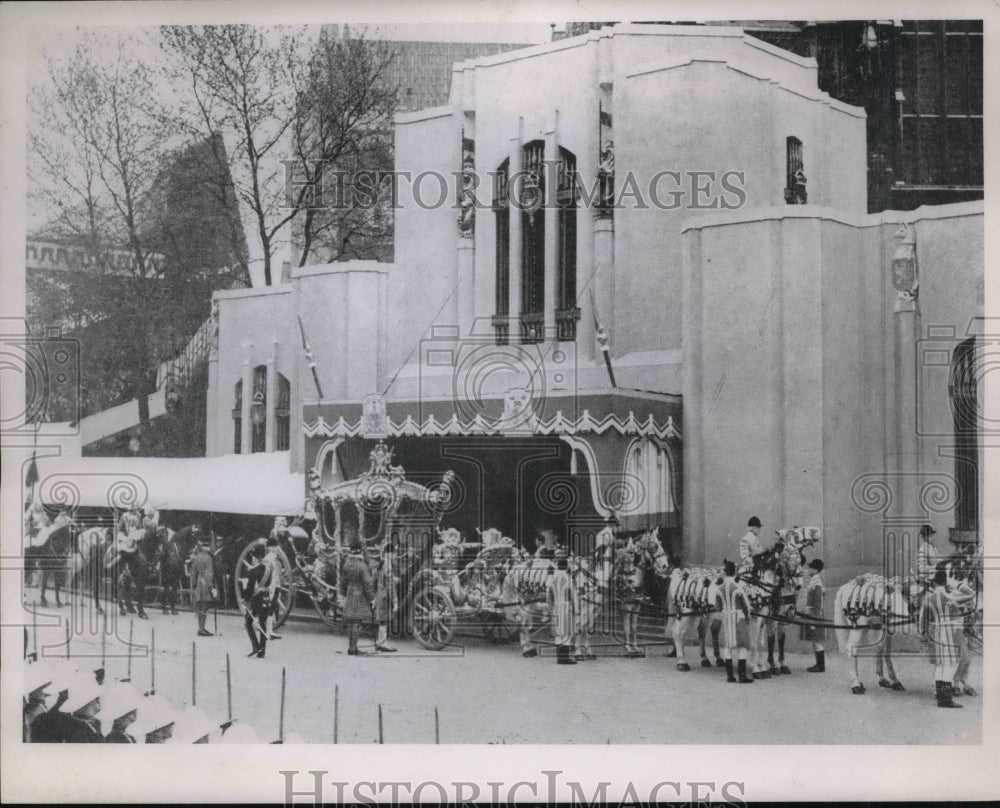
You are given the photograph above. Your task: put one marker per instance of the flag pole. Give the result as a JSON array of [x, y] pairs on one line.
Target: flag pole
[[309, 358], [602, 339]]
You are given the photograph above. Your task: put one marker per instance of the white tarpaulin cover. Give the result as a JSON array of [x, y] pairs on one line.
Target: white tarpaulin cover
[[257, 483]]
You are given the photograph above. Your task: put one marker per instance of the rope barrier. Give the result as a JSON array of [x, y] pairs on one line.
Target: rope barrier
[[823, 623]]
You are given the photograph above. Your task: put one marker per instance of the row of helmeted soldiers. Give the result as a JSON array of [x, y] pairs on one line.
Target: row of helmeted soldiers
[[64, 702]]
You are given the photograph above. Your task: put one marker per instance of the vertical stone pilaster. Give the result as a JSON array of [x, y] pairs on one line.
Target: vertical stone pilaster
[[516, 240], [270, 421], [245, 427]]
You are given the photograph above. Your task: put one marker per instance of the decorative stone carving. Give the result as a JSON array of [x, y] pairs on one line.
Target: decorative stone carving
[[374, 420]]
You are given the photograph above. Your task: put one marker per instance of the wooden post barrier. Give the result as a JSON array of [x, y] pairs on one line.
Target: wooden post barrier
[[152, 662], [437, 727], [194, 674], [128, 668], [229, 692], [281, 714], [336, 710], [380, 737]]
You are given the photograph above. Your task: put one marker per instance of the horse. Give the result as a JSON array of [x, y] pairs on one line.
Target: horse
[[775, 593], [52, 555], [640, 565], [691, 600], [129, 560], [523, 598], [86, 565], [591, 577], [868, 607]]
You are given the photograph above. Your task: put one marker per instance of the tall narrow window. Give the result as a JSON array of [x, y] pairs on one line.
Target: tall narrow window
[[238, 418], [566, 311], [533, 242], [795, 180], [964, 394], [258, 410], [501, 216], [282, 415]]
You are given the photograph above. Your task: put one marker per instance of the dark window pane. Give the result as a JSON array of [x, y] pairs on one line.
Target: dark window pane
[[910, 152], [976, 75], [929, 75], [956, 76], [533, 233], [975, 151], [931, 150], [956, 153], [906, 78]]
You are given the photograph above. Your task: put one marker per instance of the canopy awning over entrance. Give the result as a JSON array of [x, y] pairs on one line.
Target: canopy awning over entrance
[[521, 462], [257, 483], [625, 412]]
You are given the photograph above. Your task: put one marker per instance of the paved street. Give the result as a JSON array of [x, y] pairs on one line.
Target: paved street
[[490, 694]]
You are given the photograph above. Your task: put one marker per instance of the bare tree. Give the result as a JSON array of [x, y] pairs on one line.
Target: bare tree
[[241, 80], [343, 146], [97, 136]]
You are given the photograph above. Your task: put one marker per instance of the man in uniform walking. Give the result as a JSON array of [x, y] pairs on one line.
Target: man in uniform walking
[[814, 608], [947, 620], [256, 601], [750, 545], [357, 588], [202, 585], [927, 555], [561, 598], [271, 580], [734, 610]]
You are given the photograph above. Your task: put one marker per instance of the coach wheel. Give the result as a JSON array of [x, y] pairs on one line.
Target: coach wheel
[[327, 611], [286, 584], [433, 618]]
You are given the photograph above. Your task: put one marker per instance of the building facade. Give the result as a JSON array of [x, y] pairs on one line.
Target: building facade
[[634, 273]]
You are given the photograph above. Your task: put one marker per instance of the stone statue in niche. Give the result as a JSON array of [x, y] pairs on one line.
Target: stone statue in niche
[[467, 197], [606, 175], [799, 187], [904, 263]]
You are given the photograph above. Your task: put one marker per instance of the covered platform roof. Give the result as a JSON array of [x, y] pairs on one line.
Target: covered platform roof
[[257, 483]]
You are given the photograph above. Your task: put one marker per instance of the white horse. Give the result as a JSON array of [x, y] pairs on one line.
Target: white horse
[[523, 598], [691, 601], [782, 578], [592, 579], [869, 607]]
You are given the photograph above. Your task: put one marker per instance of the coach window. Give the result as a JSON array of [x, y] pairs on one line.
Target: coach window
[[566, 311], [501, 216], [238, 417], [532, 198]]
